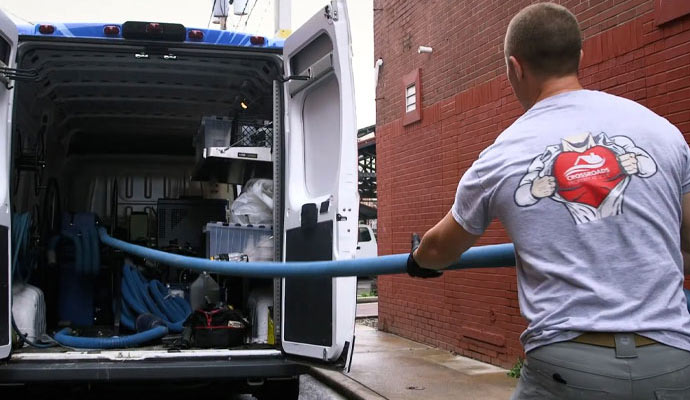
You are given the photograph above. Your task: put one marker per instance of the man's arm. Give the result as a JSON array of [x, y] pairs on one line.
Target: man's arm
[[443, 244], [685, 233]]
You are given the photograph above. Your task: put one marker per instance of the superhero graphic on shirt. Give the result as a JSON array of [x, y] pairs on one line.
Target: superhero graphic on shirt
[[588, 174]]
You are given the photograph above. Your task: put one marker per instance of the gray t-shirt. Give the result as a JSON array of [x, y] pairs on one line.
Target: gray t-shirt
[[589, 187]]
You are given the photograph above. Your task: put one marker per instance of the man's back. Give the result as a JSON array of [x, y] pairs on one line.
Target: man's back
[[589, 188], [592, 189]]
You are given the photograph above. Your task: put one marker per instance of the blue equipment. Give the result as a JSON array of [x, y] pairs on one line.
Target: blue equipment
[[76, 276], [147, 307], [140, 297]]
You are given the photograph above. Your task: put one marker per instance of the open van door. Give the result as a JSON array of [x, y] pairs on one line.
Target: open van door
[[321, 210], [8, 51]]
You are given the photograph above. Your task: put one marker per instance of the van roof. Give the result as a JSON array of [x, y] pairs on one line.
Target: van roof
[[213, 37]]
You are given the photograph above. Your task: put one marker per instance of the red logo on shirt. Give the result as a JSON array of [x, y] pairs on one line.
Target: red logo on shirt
[[587, 177], [586, 173]]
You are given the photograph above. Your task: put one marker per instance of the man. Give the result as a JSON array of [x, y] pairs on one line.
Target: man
[[593, 190]]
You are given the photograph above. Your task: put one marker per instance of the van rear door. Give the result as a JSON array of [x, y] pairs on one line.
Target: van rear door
[[320, 219], [8, 51]]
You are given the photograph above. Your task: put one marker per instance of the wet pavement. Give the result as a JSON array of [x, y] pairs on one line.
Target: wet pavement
[[397, 368]]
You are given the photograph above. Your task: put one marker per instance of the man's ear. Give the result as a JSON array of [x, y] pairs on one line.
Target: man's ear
[[514, 65]]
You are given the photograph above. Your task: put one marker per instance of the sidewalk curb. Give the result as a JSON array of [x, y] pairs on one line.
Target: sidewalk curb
[[344, 385], [368, 299]]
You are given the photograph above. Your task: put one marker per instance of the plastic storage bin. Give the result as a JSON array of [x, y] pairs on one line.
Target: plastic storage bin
[[213, 132], [256, 241], [29, 310]]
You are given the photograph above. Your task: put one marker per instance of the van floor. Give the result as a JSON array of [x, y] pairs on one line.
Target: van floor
[[168, 343]]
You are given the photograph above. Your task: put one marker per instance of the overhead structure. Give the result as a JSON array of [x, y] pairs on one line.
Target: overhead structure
[[367, 164]]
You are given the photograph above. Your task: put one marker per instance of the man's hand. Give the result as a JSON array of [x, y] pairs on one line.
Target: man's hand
[[544, 186], [413, 269], [629, 163]]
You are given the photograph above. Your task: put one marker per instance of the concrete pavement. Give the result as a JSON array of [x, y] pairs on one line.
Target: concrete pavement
[[367, 310], [397, 368]]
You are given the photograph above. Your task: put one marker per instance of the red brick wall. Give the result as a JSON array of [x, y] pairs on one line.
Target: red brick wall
[[467, 103]]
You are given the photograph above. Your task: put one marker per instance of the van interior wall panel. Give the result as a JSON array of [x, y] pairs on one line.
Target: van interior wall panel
[[140, 183]]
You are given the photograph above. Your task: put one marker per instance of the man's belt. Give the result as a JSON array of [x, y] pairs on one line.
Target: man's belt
[[607, 339]]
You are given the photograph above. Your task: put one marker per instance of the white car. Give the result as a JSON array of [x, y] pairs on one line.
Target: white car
[[367, 246]]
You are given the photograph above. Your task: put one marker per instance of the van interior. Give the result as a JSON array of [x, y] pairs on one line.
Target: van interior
[[168, 148]]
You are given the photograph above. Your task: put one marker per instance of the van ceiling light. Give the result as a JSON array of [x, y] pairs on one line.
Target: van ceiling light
[[257, 40], [111, 30], [195, 34], [243, 104], [46, 29]]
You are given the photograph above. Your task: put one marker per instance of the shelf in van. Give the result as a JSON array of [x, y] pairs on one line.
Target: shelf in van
[[228, 164], [239, 153]]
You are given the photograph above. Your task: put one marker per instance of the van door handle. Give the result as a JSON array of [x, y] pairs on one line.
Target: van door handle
[[359, 248]]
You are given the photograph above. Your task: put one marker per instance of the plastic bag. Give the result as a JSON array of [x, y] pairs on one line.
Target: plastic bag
[[255, 204]]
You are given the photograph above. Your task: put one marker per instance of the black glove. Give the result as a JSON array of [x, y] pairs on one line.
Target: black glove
[[413, 269]]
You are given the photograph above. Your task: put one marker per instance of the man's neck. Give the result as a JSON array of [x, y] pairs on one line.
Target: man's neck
[[553, 86]]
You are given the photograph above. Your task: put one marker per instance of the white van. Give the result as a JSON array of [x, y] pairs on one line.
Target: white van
[[100, 119]]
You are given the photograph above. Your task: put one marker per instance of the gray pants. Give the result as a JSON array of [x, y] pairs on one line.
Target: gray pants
[[570, 370]]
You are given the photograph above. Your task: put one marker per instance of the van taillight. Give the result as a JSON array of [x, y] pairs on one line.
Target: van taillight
[[46, 29], [195, 34], [111, 30], [257, 40], [153, 27]]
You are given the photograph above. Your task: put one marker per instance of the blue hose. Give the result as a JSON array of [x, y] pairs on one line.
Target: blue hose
[[499, 255], [141, 297], [175, 308], [127, 319], [65, 338]]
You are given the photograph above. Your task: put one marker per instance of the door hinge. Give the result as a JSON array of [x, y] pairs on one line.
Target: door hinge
[[15, 74], [331, 11]]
